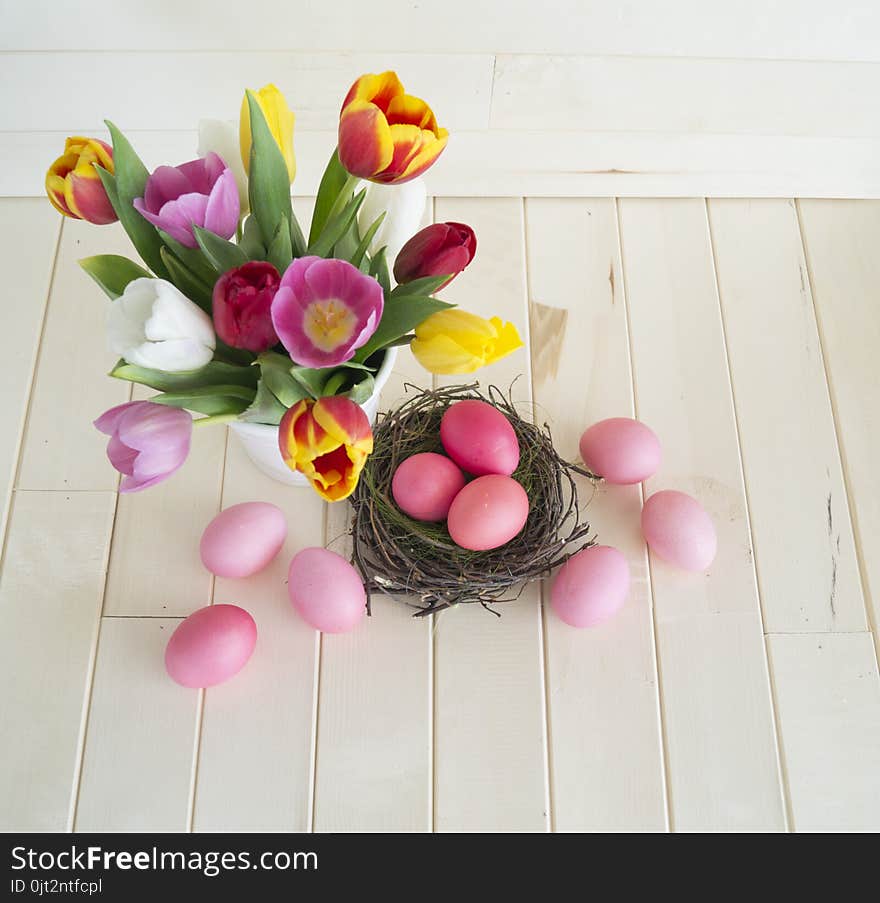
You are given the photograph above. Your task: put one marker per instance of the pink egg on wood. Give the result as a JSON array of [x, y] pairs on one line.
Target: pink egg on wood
[[678, 529], [590, 587], [243, 539], [424, 486], [210, 646], [488, 513], [479, 438], [326, 590], [621, 450]]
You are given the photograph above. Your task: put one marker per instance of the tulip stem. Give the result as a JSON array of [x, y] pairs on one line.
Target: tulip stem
[[344, 196], [215, 418]]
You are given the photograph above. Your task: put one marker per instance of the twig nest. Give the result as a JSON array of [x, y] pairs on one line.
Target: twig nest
[[397, 554]]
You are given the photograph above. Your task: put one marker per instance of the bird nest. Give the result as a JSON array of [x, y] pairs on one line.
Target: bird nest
[[397, 555]]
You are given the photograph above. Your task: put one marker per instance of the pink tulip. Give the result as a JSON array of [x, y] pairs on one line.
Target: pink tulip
[[325, 310], [199, 193], [242, 306], [148, 441]]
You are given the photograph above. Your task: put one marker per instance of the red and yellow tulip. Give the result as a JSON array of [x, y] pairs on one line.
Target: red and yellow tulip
[[385, 134], [73, 184], [328, 441]]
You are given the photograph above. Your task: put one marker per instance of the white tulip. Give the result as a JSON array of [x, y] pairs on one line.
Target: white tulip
[[222, 138], [155, 325], [404, 207]]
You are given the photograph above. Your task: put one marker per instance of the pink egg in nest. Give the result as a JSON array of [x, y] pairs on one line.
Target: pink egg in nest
[[479, 438], [326, 590], [678, 529], [424, 486], [210, 646], [590, 587], [243, 539], [621, 450], [488, 513]]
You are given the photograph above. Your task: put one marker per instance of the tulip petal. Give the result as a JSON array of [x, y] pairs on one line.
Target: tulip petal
[[108, 422], [164, 185], [222, 212], [415, 150], [408, 110], [86, 196], [121, 456], [443, 355], [365, 143], [344, 420], [379, 89]]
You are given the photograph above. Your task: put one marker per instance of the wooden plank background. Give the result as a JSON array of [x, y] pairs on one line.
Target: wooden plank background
[[745, 698]]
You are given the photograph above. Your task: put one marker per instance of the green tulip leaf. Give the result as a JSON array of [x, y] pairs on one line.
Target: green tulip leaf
[[129, 181], [275, 372], [192, 258], [266, 408], [401, 316], [280, 252], [191, 285], [212, 374], [361, 251], [297, 239], [361, 391], [379, 270], [211, 400], [113, 272], [223, 255], [252, 243], [311, 380], [269, 181], [427, 285], [337, 226], [333, 182]]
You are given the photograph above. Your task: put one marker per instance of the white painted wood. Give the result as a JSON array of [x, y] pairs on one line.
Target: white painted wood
[[137, 764], [61, 448], [256, 751], [368, 708], [183, 506], [785, 29], [29, 231], [841, 241], [805, 556], [720, 737], [490, 770], [606, 760], [490, 163], [620, 94], [828, 697], [211, 86], [50, 605]]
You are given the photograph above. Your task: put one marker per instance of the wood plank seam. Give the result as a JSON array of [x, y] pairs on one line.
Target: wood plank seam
[[200, 705], [316, 706], [841, 450], [780, 759], [661, 711]]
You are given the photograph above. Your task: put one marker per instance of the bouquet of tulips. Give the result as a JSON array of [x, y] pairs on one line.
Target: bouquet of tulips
[[236, 315]]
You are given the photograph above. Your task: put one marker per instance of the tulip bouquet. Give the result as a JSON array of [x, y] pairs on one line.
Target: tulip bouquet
[[235, 314]]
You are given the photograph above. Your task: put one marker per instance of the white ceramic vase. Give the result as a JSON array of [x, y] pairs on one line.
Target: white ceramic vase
[[260, 440]]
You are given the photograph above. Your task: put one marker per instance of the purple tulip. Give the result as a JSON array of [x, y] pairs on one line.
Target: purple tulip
[[148, 441], [199, 193]]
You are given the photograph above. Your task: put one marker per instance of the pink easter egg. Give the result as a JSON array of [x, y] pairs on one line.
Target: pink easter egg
[[243, 539], [590, 587], [424, 486], [678, 529], [488, 512], [210, 646], [326, 590], [479, 438], [621, 450]]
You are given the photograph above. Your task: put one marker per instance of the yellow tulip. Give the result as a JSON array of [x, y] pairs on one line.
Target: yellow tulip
[[455, 341], [279, 118]]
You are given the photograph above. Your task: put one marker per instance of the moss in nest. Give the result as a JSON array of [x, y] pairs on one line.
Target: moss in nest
[[398, 555]]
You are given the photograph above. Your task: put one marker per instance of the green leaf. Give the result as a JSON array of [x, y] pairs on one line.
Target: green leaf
[[223, 255], [360, 252], [297, 239], [252, 242], [190, 284], [215, 373], [336, 382], [113, 272], [361, 391], [311, 380], [275, 372], [192, 258], [379, 270], [401, 316], [237, 356], [129, 180], [427, 285], [269, 182], [266, 408], [333, 182], [280, 253], [337, 226], [212, 400]]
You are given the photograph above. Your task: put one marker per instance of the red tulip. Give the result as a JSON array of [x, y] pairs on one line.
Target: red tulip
[[242, 306], [435, 251]]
